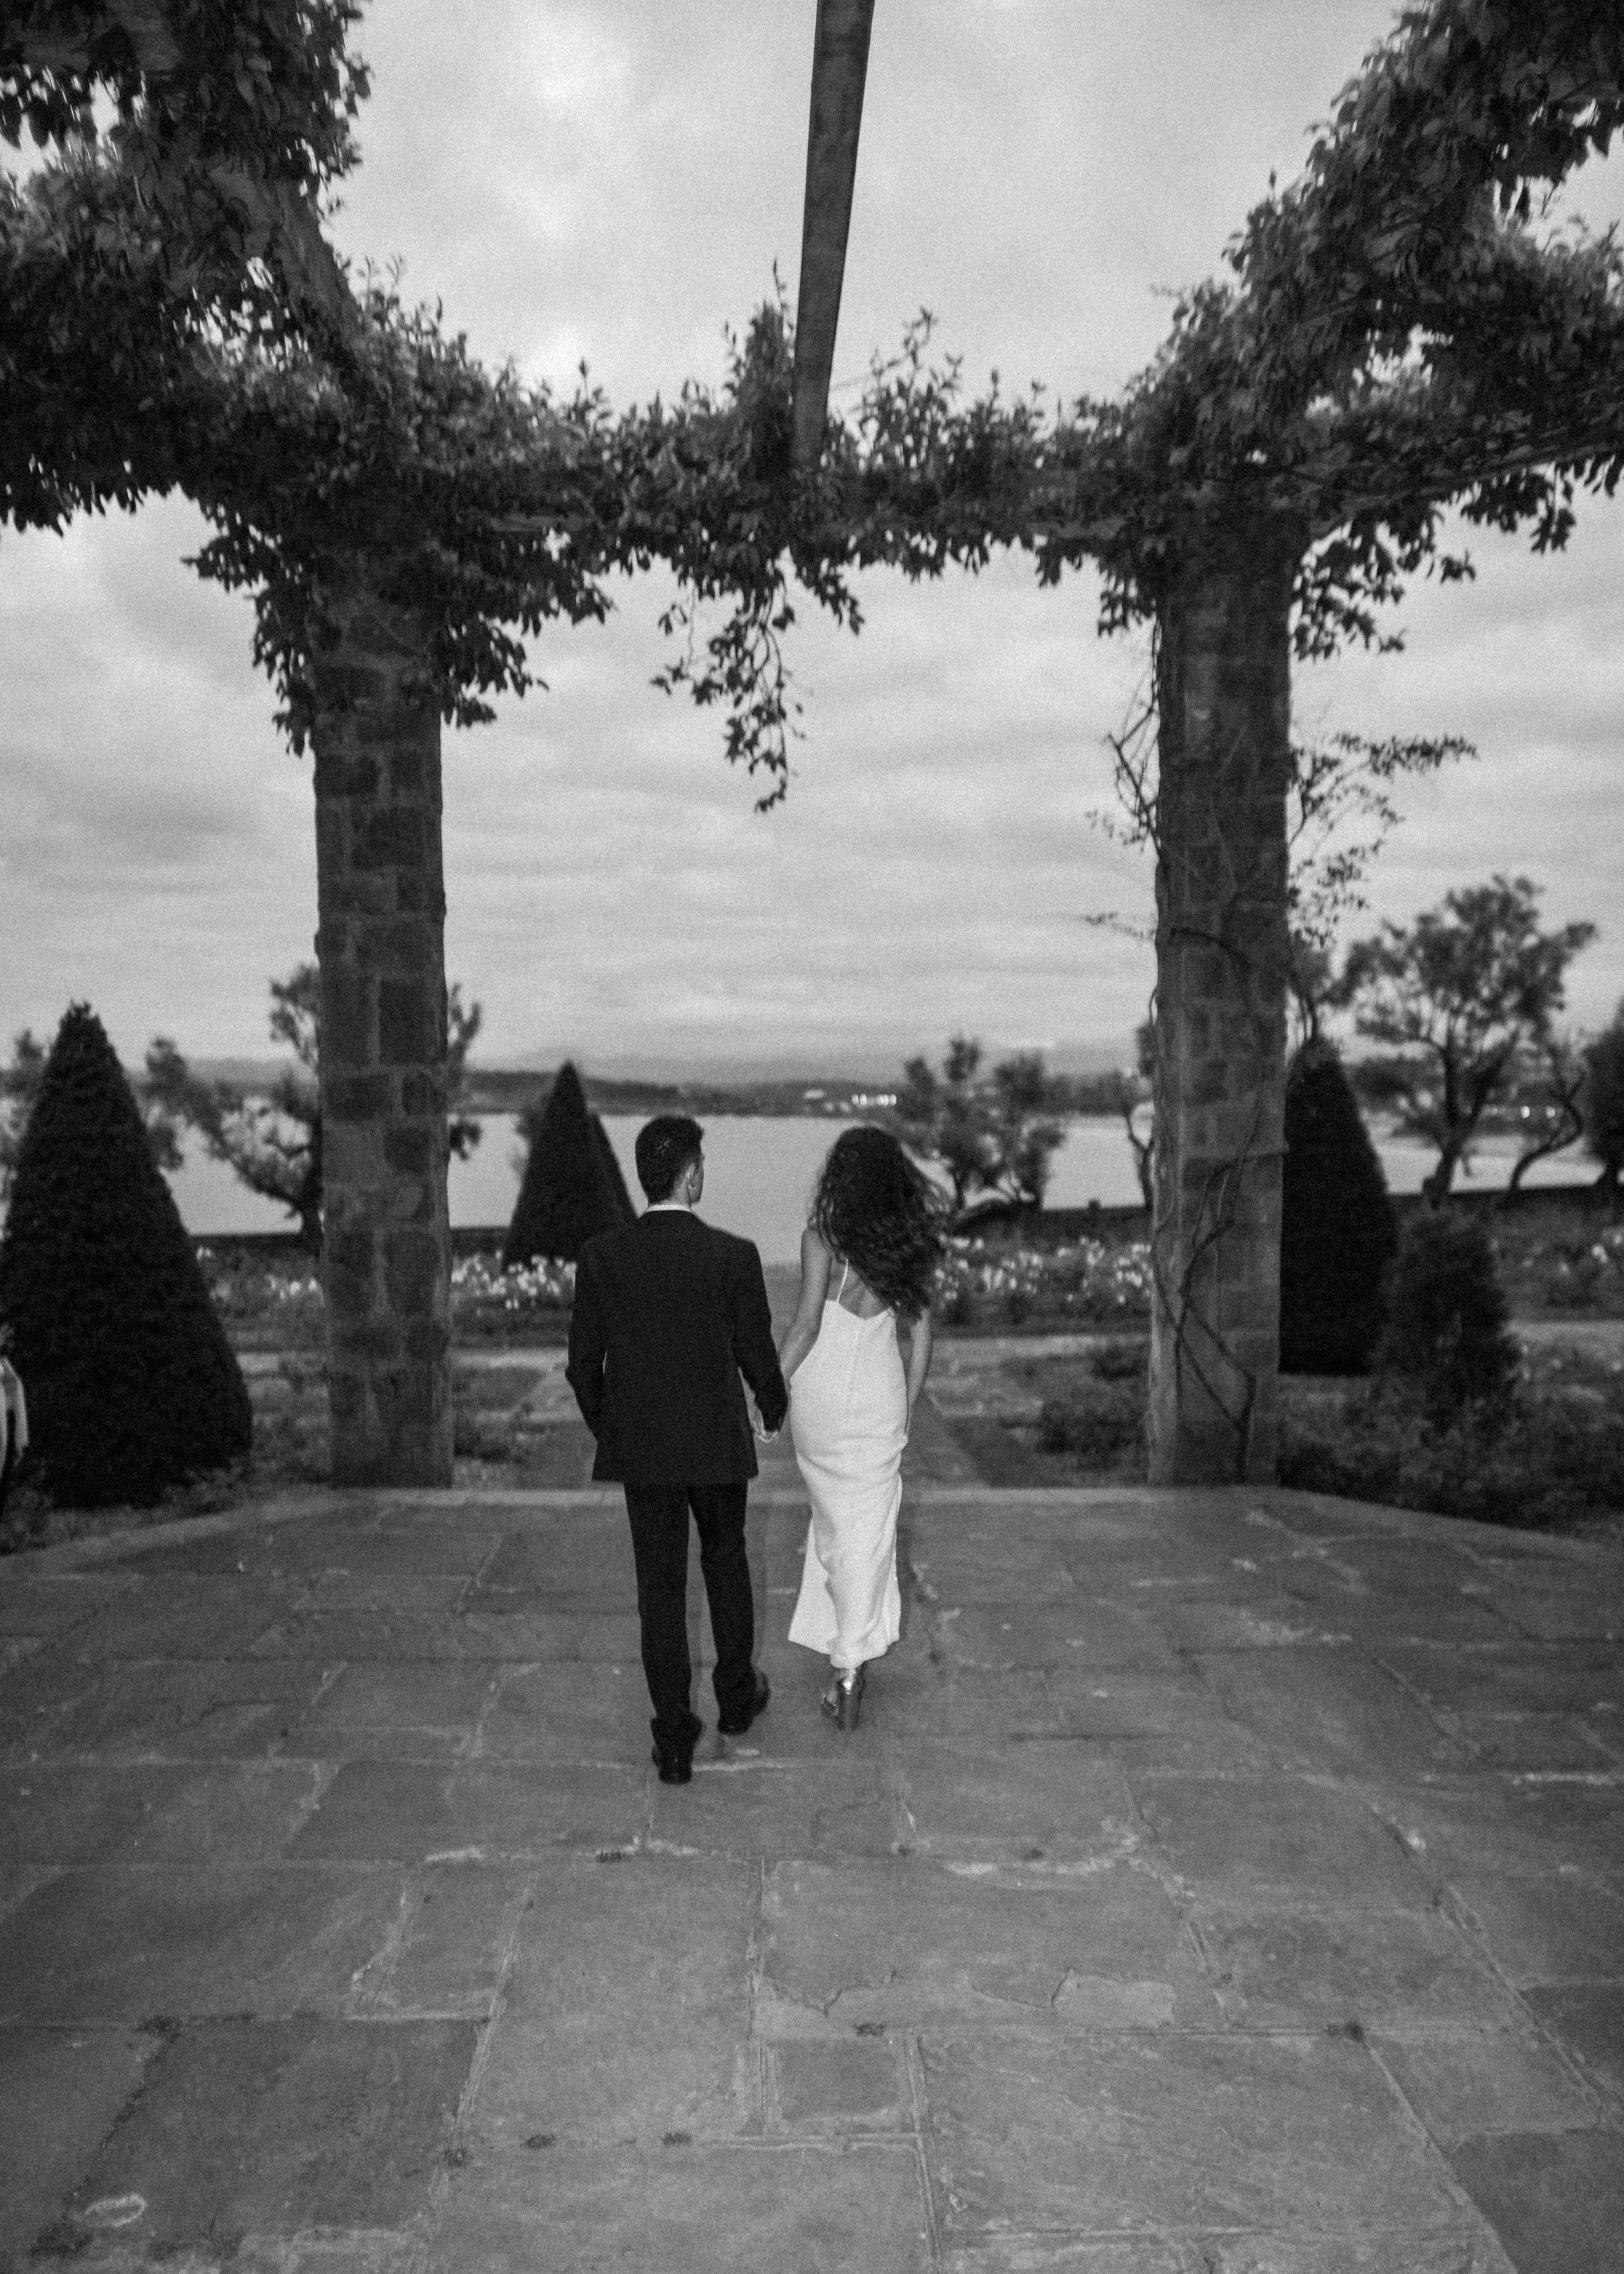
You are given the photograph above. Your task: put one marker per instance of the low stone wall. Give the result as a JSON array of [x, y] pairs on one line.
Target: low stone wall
[[1056, 1227], [1048, 1227]]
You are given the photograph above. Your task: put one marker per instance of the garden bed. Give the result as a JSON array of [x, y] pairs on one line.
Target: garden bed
[[273, 1302], [1065, 1417], [1560, 1256], [1553, 1459]]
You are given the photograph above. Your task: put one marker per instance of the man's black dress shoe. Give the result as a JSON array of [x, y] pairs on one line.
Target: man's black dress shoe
[[735, 1725], [673, 1756]]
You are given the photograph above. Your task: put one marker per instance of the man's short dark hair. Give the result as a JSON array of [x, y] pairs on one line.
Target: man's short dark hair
[[665, 1147]]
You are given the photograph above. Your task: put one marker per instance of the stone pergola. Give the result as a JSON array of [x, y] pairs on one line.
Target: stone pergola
[[1311, 475], [1224, 599]]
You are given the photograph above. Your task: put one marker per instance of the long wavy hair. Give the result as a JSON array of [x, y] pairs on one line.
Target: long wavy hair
[[874, 1209]]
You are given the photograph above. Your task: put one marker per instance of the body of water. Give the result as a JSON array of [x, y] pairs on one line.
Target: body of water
[[759, 1172]]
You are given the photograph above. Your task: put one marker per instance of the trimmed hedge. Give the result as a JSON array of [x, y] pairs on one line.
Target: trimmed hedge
[[569, 1194], [1446, 1341], [1337, 1230], [131, 1385]]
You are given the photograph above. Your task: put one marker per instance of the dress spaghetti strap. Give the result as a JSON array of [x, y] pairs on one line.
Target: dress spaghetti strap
[[841, 1288]]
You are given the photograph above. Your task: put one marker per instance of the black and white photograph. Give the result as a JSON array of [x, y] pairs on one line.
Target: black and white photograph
[[812, 1137]]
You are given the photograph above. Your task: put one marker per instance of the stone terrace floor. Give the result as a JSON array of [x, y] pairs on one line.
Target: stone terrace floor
[[1219, 1881]]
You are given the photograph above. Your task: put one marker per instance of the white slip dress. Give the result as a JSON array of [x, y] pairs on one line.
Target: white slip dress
[[848, 1419]]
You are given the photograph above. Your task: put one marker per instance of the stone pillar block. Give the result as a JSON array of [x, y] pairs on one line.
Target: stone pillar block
[[381, 949], [1224, 699]]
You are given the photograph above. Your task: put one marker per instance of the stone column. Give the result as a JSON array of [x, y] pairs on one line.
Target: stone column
[[381, 893], [1224, 706]]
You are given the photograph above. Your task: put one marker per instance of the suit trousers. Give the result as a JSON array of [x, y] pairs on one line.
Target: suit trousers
[[658, 1515]]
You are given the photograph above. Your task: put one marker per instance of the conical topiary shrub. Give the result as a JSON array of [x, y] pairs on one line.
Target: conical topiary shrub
[[1445, 1337], [1337, 1233], [612, 1170], [567, 1195], [132, 1384]]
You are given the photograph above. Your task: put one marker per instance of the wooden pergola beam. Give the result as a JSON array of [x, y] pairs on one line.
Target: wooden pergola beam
[[839, 66]]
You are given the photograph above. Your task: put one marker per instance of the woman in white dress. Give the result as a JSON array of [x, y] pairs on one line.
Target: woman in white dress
[[868, 1260]]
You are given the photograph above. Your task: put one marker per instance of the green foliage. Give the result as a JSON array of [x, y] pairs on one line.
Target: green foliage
[[1551, 1456], [1337, 1231], [1101, 1426], [1603, 1101], [1397, 335], [1456, 995], [1445, 1342], [230, 119], [1123, 1361], [20, 1086], [131, 1385], [567, 1196], [1391, 342], [994, 1135]]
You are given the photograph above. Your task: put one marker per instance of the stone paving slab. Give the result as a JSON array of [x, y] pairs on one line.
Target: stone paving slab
[[1298, 2135], [1556, 2199], [262, 2126], [833, 2207], [134, 1946], [1219, 1883]]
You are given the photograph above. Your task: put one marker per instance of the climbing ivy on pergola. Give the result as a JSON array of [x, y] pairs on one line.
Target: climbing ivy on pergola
[[1396, 337]]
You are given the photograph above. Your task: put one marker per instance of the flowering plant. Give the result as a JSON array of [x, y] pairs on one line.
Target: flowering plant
[[1088, 1279], [482, 1293]]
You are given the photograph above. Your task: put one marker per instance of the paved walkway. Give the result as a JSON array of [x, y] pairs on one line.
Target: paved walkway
[[1218, 1883]]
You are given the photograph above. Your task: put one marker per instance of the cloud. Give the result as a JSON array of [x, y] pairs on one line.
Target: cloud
[[616, 182]]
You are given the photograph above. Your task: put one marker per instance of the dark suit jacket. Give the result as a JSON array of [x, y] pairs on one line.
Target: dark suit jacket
[[668, 1313]]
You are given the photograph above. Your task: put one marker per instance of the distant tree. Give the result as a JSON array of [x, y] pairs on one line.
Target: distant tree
[[1455, 995], [1604, 1104], [1025, 1131], [1549, 1086], [132, 1384], [570, 1192], [993, 1135], [1339, 810], [274, 1142], [939, 1116]]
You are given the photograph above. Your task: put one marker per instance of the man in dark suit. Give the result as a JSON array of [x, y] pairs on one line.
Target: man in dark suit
[[669, 1312]]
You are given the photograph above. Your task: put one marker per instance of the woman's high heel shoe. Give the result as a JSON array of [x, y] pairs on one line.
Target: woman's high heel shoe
[[843, 1698]]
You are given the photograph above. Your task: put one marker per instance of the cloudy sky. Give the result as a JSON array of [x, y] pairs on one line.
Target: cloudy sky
[[614, 180]]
